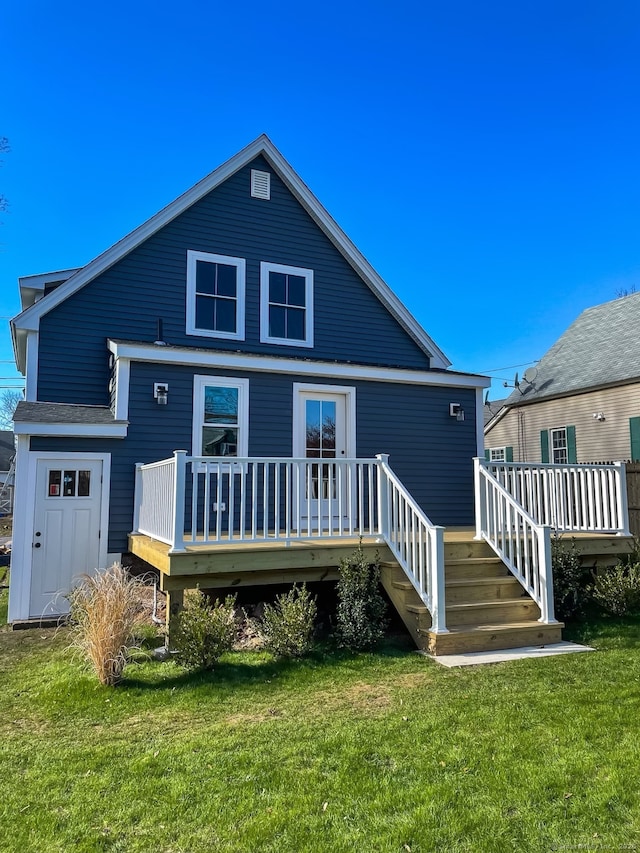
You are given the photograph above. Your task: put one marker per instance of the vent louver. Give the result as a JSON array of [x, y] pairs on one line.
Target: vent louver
[[260, 184]]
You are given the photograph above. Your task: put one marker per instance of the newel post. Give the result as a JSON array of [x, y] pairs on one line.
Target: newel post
[[622, 499], [479, 500], [436, 566], [137, 497], [383, 494], [545, 567], [179, 477]]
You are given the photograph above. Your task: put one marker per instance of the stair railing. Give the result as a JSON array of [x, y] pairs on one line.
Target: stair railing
[[515, 536], [415, 542]]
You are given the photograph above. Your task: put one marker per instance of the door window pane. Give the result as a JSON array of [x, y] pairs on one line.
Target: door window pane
[[55, 479], [84, 484], [321, 428], [69, 484]]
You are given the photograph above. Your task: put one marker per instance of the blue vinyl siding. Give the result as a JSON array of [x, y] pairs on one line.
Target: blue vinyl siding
[[430, 452], [351, 324]]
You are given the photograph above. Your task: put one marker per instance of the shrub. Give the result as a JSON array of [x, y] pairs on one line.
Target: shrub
[[105, 609], [288, 625], [361, 616], [571, 591], [617, 589], [204, 631]]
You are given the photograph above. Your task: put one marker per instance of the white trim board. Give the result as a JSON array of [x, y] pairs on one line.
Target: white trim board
[[72, 430], [233, 360], [26, 467], [30, 318]]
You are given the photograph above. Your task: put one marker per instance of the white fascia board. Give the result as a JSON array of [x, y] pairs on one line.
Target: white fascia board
[[71, 430], [32, 286], [240, 361], [496, 419], [262, 145]]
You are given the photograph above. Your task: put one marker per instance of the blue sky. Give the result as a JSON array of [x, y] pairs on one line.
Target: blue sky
[[483, 156]]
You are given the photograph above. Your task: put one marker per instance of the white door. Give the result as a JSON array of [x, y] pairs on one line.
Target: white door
[[323, 436], [66, 531]]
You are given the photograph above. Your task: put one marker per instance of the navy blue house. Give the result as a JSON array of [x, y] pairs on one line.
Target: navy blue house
[[240, 322]]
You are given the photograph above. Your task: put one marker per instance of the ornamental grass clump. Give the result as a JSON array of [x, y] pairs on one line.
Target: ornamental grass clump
[[361, 619], [289, 624], [204, 631], [105, 609]]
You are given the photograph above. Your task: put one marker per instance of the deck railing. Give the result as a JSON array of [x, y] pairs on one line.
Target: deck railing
[[189, 500], [516, 537], [416, 543], [568, 498]]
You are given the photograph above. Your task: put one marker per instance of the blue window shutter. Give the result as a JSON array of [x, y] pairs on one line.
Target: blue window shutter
[[487, 453], [572, 456], [508, 454], [634, 430], [544, 445]]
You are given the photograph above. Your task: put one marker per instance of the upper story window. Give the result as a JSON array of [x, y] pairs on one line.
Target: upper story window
[[497, 454], [215, 295], [286, 305]]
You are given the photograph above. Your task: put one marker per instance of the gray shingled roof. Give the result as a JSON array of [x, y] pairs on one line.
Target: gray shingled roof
[[491, 409], [63, 413], [602, 347]]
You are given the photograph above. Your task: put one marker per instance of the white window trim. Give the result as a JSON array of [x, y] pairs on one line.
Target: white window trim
[[241, 266], [497, 450], [199, 384], [299, 390], [566, 445], [265, 269]]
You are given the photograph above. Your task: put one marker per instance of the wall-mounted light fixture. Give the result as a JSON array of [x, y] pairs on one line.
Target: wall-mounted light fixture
[[599, 416], [161, 392], [456, 411]]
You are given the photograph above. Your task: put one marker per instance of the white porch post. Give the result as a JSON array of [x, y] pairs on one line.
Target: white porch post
[[383, 495], [480, 506], [137, 497], [622, 499], [545, 567], [179, 475], [436, 563]]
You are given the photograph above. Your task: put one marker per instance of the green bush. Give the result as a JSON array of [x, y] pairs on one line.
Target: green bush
[[204, 631], [289, 624], [361, 616], [571, 590], [617, 589]]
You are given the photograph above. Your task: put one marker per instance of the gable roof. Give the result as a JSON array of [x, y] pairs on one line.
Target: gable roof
[[602, 347], [29, 318]]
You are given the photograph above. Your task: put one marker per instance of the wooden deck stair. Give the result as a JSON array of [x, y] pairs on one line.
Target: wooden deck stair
[[486, 608]]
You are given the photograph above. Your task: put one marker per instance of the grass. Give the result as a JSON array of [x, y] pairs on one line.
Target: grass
[[375, 752]]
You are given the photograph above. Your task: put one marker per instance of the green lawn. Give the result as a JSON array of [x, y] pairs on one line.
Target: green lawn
[[381, 752]]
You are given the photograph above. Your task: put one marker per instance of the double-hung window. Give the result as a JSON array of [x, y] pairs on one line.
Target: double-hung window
[[286, 305], [220, 416], [558, 445], [215, 295]]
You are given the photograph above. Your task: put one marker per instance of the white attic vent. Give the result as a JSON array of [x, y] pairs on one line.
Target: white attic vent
[[260, 184]]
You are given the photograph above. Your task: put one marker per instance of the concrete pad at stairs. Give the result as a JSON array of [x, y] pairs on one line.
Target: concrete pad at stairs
[[477, 658]]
